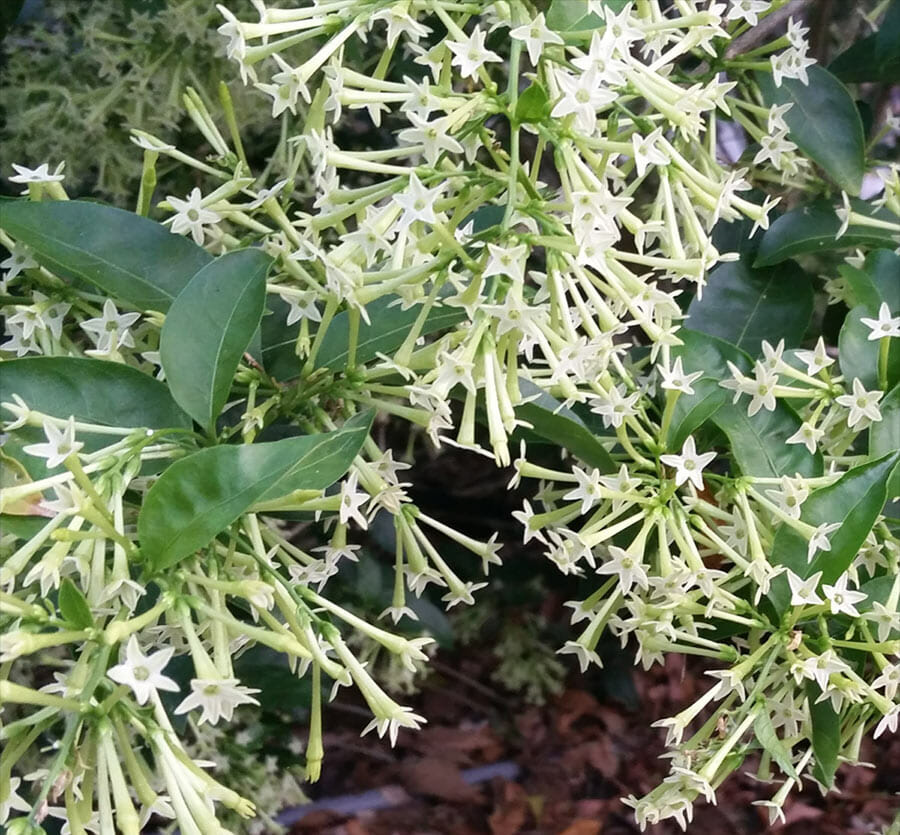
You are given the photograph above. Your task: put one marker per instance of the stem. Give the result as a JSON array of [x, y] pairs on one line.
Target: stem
[[72, 724]]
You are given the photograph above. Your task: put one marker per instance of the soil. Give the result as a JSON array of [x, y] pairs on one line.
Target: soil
[[559, 769]]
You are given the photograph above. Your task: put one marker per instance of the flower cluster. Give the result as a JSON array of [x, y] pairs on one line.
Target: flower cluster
[[506, 263]]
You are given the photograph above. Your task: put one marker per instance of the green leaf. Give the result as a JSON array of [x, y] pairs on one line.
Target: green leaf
[[573, 16], [854, 501], [93, 391], [746, 306], [824, 122], [208, 329], [199, 496], [876, 57], [826, 735], [768, 738], [814, 229], [858, 355], [21, 527], [884, 436], [533, 104], [390, 326], [553, 421], [74, 606], [131, 257], [485, 217], [876, 282], [759, 444]]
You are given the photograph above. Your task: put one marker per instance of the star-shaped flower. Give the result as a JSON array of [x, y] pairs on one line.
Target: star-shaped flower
[[536, 36], [884, 326], [863, 405], [470, 54], [143, 673], [688, 465], [60, 444]]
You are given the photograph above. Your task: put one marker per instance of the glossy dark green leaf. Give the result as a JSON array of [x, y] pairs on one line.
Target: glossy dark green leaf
[[854, 501], [858, 355], [208, 329], [759, 444], [826, 735], [73, 605], [824, 123], [554, 422], [746, 306], [877, 281], [767, 737], [814, 229], [199, 496], [884, 436], [484, 218], [876, 57], [389, 327], [533, 105], [709, 354], [93, 391], [574, 15], [132, 258]]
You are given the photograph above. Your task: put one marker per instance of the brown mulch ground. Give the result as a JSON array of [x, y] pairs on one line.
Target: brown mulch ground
[[574, 758]]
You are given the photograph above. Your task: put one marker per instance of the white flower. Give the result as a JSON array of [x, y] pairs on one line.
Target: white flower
[[792, 494], [676, 380], [302, 306], [888, 722], [820, 667], [815, 360], [688, 465], [111, 324], [888, 621], [807, 434], [645, 151], [842, 599], [588, 491], [748, 10], [417, 202], [19, 259], [191, 216], [41, 174], [863, 405], [629, 568], [585, 656], [217, 698], [60, 444], [143, 673], [13, 800], [508, 261], [402, 717], [400, 21], [803, 592], [582, 95], [470, 54], [434, 135], [819, 539], [535, 35], [265, 193], [352, 501], [884, 325], [889, 680]]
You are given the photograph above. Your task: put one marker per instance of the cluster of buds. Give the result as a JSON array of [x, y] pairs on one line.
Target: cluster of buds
[[544, 201]]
